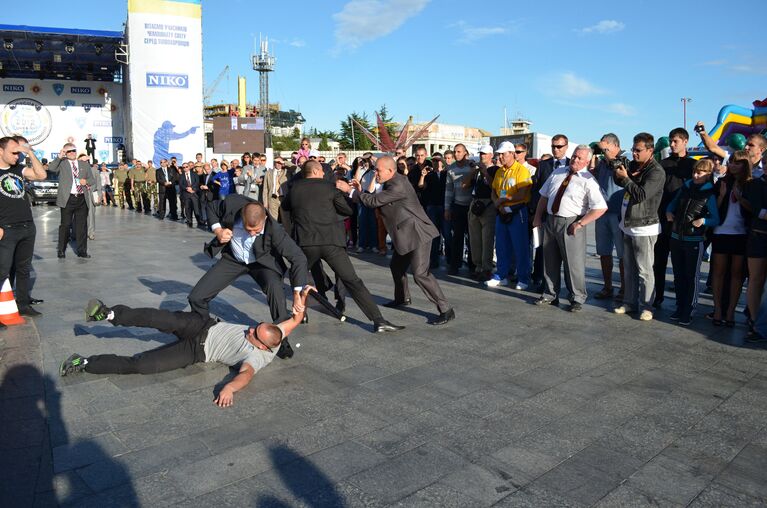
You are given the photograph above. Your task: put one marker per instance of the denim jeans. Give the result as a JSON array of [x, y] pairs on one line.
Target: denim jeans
[[512, 238], [367, 224]]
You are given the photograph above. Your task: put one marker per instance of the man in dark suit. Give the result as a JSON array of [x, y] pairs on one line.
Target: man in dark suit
[[546, 167], [189, 185], [167, 178], [249, 242], [411, 232], [315, 205], [75, 179]]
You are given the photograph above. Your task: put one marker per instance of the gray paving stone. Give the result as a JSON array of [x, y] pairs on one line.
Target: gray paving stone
[[407, 473], [719, 496], [747, 472], [673, 481], [578, 396]]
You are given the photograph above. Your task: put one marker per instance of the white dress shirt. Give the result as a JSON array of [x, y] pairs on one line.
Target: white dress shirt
[[581, 194]]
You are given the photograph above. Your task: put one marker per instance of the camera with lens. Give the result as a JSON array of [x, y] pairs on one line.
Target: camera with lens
[[699, 128], [617, 162]]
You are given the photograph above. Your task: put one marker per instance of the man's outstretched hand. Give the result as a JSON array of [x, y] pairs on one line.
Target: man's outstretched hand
[[225, 397]]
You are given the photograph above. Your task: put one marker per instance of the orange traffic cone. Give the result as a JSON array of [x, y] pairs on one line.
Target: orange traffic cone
[[9, 312]]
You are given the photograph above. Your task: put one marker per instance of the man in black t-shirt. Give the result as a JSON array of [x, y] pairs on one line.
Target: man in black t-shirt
[[17, 229]]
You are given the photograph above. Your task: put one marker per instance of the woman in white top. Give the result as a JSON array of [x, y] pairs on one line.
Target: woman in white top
[[728, 246]]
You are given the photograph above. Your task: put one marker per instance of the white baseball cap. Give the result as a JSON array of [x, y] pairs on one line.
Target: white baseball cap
[[486, 149], [506, 146]]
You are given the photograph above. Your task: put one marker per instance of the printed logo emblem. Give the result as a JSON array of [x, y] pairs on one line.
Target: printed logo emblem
[[28, 118], [13, 88], [84, 90], [58, 88], [11, 186], [158, 80]]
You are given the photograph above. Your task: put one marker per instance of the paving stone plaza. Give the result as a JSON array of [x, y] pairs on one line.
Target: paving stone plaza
[[508, 405]]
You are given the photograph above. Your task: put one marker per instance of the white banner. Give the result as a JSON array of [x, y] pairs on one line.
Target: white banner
[[50, 113], [165, 77]]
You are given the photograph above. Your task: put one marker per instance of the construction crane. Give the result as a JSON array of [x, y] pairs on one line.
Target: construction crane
[[212, 88]]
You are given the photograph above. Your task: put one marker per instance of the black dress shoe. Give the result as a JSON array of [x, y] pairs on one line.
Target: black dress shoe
[[61, 254], [29, 311], [341, 306], [84, 256], [385, 326], [444, 317], [305, 319], [393, 304], [285, 350], [575, 307], [34, 301]]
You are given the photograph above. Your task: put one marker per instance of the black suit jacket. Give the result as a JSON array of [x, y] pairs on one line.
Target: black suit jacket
[[172, 176], [271, 248], [545, 169], [404, 217], [315, 205], [193, 182]]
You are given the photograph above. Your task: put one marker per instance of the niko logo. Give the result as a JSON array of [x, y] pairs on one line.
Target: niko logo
[[157, 80], [13, 88], [80, 89], [113, 140]]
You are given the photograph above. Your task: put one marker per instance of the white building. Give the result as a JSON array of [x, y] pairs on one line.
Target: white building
[[441, 137]]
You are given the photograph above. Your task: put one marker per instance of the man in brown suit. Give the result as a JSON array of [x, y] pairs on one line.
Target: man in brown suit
[[273, 182], [411, 232]]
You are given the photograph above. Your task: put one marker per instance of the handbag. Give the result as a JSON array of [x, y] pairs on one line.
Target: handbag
[[478, 207]]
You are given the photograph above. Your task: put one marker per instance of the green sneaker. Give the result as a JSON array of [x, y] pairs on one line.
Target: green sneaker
[[96, 310], [74, 363]]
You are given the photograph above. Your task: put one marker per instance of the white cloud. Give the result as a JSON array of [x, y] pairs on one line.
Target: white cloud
[[606, 26], [569, 85], [473, 33], [362, 21], [616, 108], [297, 43], [622, 109]]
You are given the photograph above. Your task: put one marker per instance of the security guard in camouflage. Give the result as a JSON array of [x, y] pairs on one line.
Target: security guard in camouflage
[[119, 177], [137, 176], [151, 185]]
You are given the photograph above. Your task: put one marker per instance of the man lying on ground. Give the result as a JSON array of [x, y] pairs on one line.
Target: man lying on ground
[[199, 340]]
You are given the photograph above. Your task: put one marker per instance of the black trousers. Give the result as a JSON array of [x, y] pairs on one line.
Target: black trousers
[[662, 250], [418, 261], [685, 259], [338, 261], [225, 272], [459, 218], [167, 194], [190, 203], [128, 193], [186, 326], [16, 249], [75, 212]]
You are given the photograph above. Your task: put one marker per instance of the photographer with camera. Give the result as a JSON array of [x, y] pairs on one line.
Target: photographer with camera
[[755, 147], [643, 182], [678, 167], [606, 158]]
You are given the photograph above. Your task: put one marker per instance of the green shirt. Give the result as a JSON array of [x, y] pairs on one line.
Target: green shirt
[[120, 175], [137, 174]]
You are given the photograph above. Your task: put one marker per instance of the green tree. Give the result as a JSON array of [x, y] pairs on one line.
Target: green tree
[[296, 133], [359, 141], [391, 125], [285, 143], [323, 146]]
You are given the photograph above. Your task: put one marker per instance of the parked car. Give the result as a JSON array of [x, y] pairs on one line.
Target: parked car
[[42, 191]]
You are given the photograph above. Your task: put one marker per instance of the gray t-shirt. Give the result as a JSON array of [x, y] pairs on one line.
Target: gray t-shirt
[[226, 343]]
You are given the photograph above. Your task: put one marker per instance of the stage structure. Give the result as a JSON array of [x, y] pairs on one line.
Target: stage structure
[[58, 85]]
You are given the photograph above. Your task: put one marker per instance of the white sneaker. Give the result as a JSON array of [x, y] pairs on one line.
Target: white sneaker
[[496, 281], [521, 286], [646, 315], [360, 250], [621, 310]]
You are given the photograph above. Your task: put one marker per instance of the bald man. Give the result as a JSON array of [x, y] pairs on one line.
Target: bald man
[[411, 232]]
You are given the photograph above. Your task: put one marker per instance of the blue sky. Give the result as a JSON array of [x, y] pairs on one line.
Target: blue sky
[[582, 68]]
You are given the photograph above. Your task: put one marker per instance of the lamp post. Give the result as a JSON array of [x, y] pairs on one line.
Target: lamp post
[[685, 100]]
